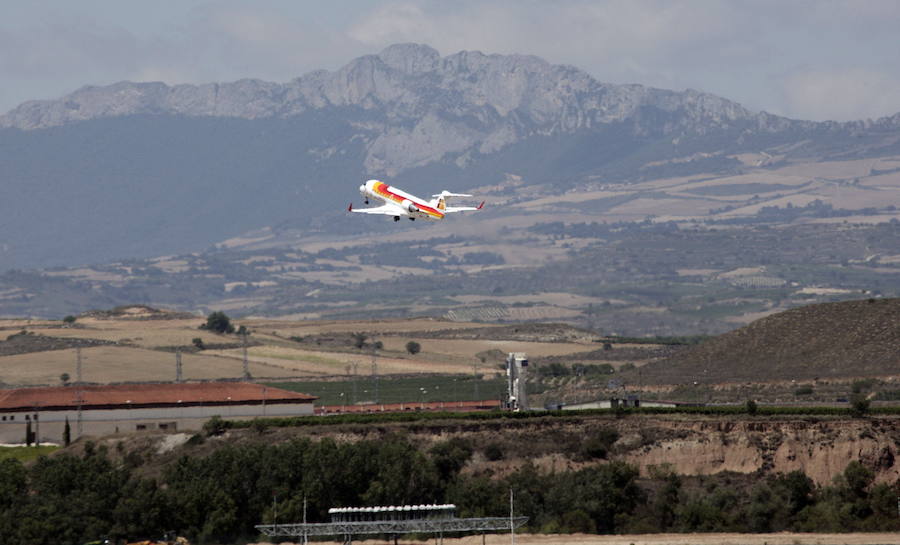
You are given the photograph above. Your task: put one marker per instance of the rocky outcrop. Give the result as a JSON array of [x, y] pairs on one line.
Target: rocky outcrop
[[419, 106], [821, 448]]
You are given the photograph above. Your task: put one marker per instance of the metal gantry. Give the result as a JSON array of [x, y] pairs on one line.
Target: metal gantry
[[408, 519], [412, 526]]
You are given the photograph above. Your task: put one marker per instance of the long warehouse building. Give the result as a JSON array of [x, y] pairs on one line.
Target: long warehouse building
[[101, 410]]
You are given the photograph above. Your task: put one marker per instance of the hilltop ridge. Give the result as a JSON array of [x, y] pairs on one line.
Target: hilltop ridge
[[828, 340]]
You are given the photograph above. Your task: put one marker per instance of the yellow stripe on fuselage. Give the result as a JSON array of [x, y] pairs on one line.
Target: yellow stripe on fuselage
[[391, 194]]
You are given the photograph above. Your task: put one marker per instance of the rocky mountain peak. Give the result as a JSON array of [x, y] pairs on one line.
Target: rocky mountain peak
[[421, 107], [410, 58]]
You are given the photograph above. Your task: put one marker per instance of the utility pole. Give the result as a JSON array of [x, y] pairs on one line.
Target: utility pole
[[355, 375], [305, 536], [375, 370], [475, 376], [80, 394], [512, 527], [78, 365], [246, 362]]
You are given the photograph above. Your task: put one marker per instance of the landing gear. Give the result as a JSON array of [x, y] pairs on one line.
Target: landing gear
[[396, 218], [366, 201], [412, 219]]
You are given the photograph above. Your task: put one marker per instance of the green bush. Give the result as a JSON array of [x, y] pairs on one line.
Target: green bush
[[219, 322], [216, 426]]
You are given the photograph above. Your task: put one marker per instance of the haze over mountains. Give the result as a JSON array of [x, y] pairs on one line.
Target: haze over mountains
[[142, 169], [673, 212]]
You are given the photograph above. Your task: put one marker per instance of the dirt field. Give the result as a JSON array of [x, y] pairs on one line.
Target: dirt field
[[287, 328], [301, 362], [145, 343], [662, 539], [465, 350], [107, 364]]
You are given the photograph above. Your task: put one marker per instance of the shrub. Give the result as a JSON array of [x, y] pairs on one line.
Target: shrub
[[751, 407], [259, 425], [219, 322], [859, 405], [359, 339], [803, 391], [413, 347], [554, 369], [863, 385], [215, 426], [598, 444], [493, 452]]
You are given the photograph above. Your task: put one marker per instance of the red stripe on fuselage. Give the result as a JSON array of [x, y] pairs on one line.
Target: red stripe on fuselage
[[386, 191]]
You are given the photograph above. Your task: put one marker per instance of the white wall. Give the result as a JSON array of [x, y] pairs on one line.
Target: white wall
[[50, 424]]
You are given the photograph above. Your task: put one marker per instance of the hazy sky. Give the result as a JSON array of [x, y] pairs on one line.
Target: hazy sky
[[804, 59]]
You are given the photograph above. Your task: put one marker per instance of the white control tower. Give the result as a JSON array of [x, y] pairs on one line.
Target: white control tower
[[516, 367]]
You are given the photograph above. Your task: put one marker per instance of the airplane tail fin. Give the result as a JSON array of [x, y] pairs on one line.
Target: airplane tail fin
[[439, 201]]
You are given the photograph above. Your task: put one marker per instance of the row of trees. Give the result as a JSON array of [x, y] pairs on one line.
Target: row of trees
[[69, 499]]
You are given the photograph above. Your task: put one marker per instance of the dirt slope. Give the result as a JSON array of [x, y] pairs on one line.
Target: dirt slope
[[830, 340]]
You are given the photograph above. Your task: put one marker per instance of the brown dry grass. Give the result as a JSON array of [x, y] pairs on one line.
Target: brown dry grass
[[106, 364], [302, 362], [137, 357], [467, 349], [829, 340]]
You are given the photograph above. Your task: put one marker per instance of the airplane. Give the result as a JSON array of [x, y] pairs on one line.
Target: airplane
[[399, 203]]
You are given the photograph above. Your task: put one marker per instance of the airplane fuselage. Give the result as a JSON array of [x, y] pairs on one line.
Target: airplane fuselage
[[413, 206]]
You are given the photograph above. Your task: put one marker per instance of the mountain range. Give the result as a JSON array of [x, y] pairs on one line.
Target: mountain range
[[618, 207], [142, 169]]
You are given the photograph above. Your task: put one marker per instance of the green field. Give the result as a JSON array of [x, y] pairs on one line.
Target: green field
[[26, 454], [398, 390]]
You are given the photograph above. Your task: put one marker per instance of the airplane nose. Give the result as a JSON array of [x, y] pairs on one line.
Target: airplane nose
[[362, 189]]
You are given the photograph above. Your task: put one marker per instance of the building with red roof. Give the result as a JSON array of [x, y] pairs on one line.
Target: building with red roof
[[101, 410]]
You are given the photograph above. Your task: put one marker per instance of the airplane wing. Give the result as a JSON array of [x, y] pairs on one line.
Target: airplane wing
[[387, 210], [451, 209]]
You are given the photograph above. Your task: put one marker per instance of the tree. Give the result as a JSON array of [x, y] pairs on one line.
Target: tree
[[413, 347], [219, 322], [198, 342], [859, 405], [29, 435], [64, 378], [359, 339], [858, 477], [67, 433], [751, 407], [69, 320]]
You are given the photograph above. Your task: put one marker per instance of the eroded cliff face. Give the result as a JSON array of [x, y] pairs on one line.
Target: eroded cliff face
[[819, 448], [694, 445]]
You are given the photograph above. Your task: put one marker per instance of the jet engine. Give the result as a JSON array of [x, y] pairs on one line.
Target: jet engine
[[408, 204]]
